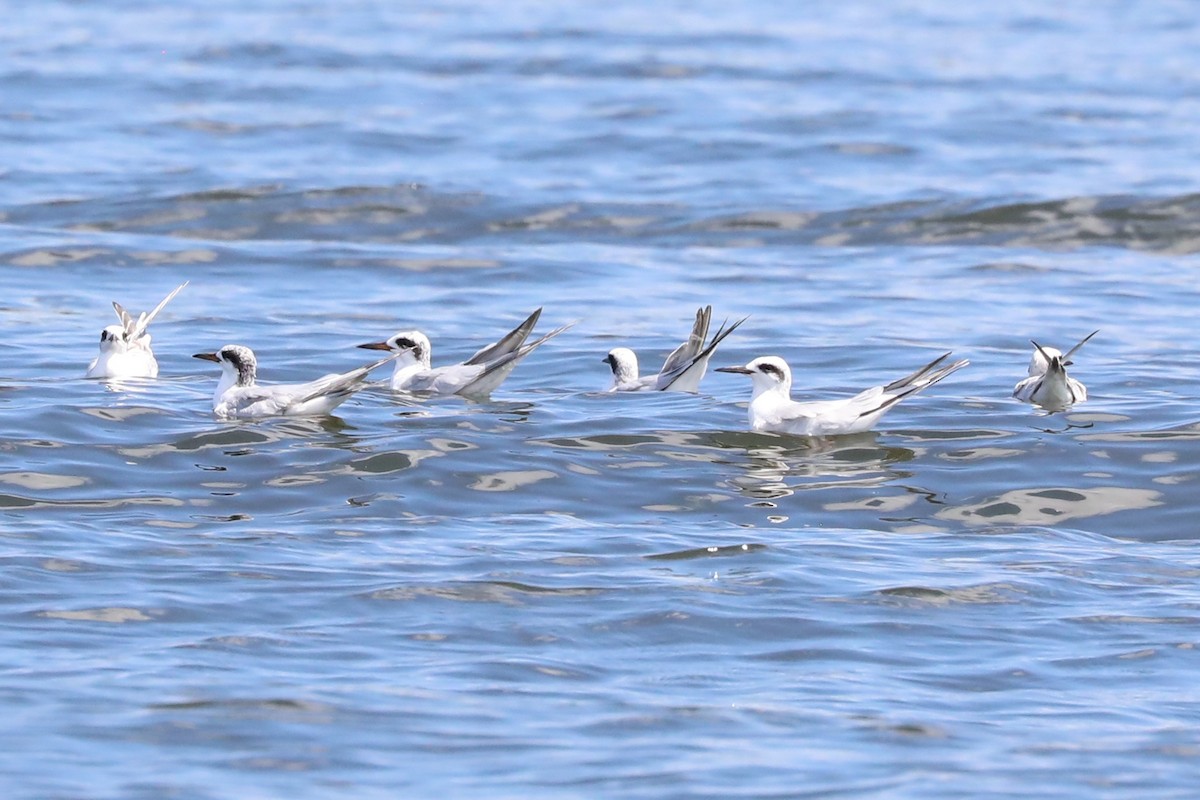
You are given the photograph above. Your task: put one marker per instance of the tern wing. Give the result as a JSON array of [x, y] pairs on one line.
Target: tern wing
[[1027, 388], [1067, 358], [255, 401], [875, 402], [687, 377], [909, 380], [645, 383], [801, 419], [509, 343], [337, 383], [682, 357], [443, 380], [494, 373], [1054, 390], [135, 329], [127, 320]]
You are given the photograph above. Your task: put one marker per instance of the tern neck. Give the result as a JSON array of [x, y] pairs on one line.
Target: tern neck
[[240, 375], [764, 385], [411, 360]]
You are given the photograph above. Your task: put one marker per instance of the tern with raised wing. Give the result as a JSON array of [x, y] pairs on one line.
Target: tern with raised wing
[[125, 349], [682, 370], [238, 396], [773, 409], [1048, 384], [478, 376]]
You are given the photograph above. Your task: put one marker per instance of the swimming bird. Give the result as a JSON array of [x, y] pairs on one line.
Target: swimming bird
[[1048, 383], [682, 370], [238, 396], [125, 349], [478, 376], [772, 409]]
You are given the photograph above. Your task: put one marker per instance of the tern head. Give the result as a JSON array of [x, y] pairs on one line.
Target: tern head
[[768, 373], [113, 339], [1042, 356], [1048, 359], [413, 346], [239, 367], [624, 365]]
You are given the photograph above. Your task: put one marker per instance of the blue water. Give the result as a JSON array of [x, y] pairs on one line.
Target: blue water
[[560, 592]]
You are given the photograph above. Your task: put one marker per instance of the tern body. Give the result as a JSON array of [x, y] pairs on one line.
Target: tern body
[[239, 396], [1048, 384], [125, 349], [683, 369], [773, 409], [478, 376]]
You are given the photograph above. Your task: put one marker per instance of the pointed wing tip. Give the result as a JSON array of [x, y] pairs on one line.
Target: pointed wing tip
[[555, 332], [951, 368], [1041, 350], [124, 316], [376, 364]]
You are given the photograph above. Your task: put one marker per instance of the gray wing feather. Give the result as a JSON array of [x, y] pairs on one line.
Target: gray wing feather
[[1071, 352], [340, 382], [135, 329], [495, 372], [127, 321], [908, 380], [919, 380], [683, 356], [510, 343], [701, 357]]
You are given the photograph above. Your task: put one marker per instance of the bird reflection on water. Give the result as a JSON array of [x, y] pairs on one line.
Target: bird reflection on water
[[778, 466]]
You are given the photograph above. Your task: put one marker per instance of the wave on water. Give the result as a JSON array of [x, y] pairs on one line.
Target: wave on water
[[415, 214]]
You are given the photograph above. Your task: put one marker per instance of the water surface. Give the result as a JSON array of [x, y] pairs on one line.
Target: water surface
[[559, 592]]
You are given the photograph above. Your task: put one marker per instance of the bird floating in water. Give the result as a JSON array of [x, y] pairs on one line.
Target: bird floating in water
[[239, 396], [683, 369], [772, 408], [478, 376], [125, 349], [1048, 383]]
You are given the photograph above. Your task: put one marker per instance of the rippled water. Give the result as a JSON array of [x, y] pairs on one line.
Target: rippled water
[[560, 592]]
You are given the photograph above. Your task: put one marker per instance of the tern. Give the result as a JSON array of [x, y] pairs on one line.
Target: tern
[[125, 349], [682, 370], [1048, 383], [238, 396], [772, 408], [478, 376]]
